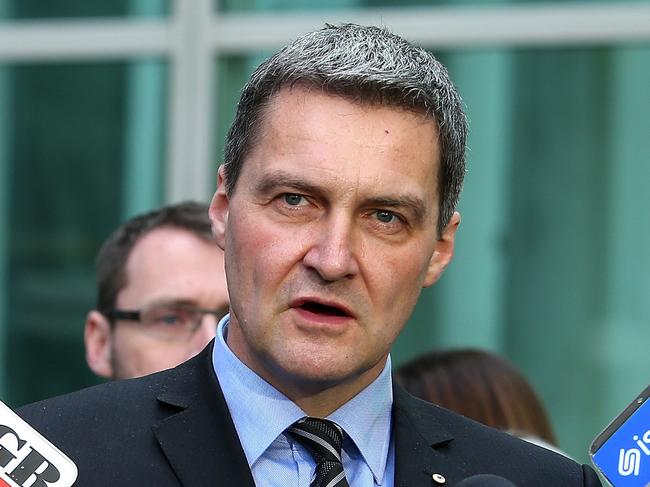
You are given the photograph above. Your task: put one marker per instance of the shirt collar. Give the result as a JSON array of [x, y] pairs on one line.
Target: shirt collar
[[366, 419], [261, 413]]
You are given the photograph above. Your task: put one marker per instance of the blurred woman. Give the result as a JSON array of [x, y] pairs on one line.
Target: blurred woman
[[482, 386]]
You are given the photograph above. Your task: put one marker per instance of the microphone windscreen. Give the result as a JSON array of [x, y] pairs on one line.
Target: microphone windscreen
[[485, 480]]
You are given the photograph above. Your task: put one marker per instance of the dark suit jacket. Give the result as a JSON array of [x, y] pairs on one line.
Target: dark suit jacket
[[173, 428]]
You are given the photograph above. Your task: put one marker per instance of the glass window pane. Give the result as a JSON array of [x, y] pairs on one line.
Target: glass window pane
[[577, 240], [231, 74], [39, 10], [80, 132]]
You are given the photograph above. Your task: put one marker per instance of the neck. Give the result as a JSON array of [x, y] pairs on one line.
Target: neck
[[321, 399], [316, 396]]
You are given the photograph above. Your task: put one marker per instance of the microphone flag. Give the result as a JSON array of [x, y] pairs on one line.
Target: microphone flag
[[27, 459]]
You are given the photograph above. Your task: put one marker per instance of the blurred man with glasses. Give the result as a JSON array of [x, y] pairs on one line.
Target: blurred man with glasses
[[161, 290]]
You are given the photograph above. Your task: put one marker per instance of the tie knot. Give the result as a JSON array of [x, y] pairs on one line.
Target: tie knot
[[321, 437]]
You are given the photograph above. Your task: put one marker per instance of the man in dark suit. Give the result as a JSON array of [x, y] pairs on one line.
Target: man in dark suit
[[335, 207]]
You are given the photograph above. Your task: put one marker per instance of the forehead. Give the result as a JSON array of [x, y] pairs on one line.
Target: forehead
[[331, 138], [172, 262]]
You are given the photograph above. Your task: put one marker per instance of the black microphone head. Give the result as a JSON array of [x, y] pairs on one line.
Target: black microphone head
[[485, 480]]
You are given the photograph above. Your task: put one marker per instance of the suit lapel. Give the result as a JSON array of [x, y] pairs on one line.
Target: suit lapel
[[423, 445], [198, 438], [200, 442]]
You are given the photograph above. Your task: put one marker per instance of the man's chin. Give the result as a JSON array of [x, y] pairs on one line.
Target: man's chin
[[315, 378]]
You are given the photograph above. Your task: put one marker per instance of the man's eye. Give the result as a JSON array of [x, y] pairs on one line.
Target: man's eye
[[169, 319], [385, 216], [293, 199]]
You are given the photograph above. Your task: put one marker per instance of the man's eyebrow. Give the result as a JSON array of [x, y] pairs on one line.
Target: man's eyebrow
[[170, 303], [284, 179], [415, 205]]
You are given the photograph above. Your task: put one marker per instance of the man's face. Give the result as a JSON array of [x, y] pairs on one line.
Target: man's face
[[167, 267], [329, 236]]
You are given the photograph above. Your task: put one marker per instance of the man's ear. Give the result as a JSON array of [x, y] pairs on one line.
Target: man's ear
[[98, 340], [443, 252], [219, 210]]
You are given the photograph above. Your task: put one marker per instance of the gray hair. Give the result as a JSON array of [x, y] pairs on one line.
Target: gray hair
[[367, 65]]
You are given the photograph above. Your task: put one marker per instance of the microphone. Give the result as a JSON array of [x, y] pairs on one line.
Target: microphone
[[622, 451], [485, 480], [25, 453]]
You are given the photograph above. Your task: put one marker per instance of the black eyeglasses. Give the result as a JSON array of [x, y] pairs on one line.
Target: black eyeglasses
[[166, 321]]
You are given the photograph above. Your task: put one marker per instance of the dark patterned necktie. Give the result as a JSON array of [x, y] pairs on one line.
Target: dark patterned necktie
[[322, 439]]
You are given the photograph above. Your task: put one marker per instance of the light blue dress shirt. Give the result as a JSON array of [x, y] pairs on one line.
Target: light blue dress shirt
[[261, 413]]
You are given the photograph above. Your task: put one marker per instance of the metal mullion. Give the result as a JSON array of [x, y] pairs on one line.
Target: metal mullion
[[84, 39], [189, 174], [450, 27]]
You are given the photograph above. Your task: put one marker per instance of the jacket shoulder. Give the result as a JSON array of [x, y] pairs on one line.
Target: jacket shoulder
[[478, 449], [108, 414], [109, 430]]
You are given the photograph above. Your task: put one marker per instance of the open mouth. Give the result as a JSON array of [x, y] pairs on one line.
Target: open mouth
[[323, 309]]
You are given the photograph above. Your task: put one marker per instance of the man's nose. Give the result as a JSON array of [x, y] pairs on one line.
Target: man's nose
[[332, 252]]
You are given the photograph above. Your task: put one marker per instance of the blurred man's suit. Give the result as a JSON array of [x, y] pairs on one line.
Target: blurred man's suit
[[174, 429]]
